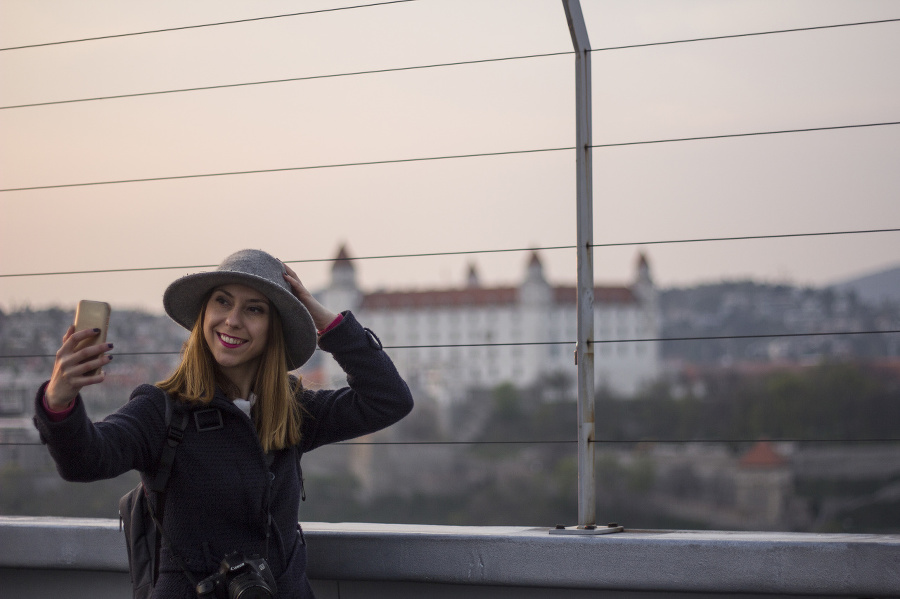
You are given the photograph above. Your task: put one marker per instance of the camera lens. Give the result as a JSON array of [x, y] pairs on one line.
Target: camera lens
[[249, 586]]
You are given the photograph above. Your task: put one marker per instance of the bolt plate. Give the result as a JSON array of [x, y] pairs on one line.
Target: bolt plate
[[578, 530]]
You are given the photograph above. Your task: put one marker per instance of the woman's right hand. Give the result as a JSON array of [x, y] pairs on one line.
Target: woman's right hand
[[322, 316], [70, 371]]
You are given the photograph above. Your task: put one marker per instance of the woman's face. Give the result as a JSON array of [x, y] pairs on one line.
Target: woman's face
[[236, 328]]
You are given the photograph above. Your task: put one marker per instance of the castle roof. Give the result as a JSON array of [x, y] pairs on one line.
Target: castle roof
[[602, 295], [484, 296]]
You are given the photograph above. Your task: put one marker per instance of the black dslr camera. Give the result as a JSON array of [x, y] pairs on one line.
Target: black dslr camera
[[239, 577]]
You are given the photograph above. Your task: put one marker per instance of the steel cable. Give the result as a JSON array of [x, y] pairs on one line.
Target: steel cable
[[470, 252], [185, 27], [395, 69], [450, 157], [534, 343]]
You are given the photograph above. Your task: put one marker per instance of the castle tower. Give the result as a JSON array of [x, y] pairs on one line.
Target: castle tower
[[342, 292], [535, 291], [535, 302], [472, 280], [644, 287], [648, 325]]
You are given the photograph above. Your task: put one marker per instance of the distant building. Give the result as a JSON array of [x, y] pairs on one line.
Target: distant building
[[764, 482], [450, 340]]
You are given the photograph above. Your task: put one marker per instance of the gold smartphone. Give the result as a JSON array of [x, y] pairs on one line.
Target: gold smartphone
[[92, 315]]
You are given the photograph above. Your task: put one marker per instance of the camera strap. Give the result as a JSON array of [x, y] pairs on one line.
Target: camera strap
[[270, 459], [161, 497]]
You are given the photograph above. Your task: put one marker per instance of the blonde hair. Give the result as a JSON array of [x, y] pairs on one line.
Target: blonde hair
[[276, 413]]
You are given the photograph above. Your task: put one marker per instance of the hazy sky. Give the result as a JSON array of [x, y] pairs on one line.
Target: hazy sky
[[763, 185]]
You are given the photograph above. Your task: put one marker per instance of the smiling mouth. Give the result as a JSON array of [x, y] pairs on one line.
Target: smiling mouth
[[230, 342]]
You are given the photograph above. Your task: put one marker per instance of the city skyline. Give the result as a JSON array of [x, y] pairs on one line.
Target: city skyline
[[778, 184]]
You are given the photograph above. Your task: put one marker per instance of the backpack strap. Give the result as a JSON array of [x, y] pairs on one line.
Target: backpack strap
[[174, 434]]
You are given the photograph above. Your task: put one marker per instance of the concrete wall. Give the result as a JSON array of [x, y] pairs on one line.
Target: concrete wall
[[41, 557]]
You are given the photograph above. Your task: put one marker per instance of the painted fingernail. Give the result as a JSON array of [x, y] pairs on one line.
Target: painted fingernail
[[109, 345], [110, 357], [96, 330]]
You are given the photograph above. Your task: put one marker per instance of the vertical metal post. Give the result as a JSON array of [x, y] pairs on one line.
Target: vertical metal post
[[584, 350]]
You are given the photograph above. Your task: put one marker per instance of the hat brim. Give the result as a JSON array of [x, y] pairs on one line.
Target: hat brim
[[183, 298]]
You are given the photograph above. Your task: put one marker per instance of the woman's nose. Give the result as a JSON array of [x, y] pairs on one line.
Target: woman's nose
[[233, 319]]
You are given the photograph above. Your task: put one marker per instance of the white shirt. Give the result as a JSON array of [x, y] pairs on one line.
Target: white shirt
[[246, 404]]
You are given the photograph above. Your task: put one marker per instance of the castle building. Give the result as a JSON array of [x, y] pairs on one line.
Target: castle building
[[447, 341]]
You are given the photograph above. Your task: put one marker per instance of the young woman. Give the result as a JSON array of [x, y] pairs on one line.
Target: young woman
[[235, 484]]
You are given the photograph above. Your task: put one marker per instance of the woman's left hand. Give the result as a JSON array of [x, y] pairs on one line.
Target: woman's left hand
[[322, 316]]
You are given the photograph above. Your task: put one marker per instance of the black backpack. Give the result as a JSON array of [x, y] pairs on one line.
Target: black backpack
[[142, 526]]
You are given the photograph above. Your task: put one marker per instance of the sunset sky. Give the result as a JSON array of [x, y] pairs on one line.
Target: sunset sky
[[810, 182]]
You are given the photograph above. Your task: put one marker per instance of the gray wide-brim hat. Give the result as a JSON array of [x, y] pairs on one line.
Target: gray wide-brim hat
[[261, 271]]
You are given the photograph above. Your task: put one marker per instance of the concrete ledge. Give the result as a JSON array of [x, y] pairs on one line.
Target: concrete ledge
[[656, 561]]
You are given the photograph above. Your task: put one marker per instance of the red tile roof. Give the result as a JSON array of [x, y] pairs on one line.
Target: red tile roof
[[606, 295], [482, 296], [473, 296], [762, 455]]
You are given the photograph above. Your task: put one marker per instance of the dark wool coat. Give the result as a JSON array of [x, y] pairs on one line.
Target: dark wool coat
[[221, 489]]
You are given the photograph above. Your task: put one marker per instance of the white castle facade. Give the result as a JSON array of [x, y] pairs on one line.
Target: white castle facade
[[449, 340]]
